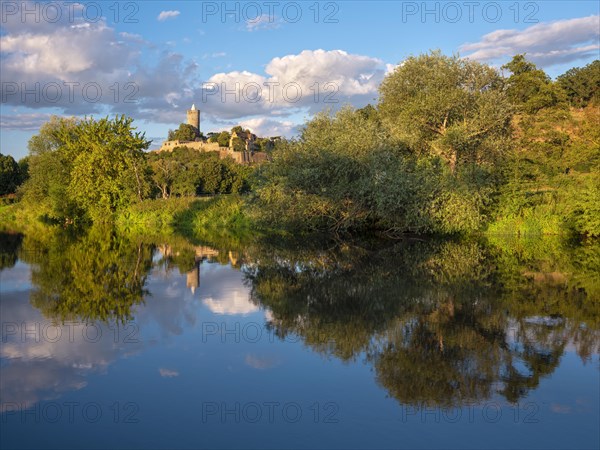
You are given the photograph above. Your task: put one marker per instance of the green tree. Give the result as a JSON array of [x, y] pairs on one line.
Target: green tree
[[582, 85], [529, 88], [449, 107], [185, 132], [164, 171], [223, 139], [265, 144], [369, 112], [238, 144], [109, 166], [50, 167], [347, 173], [98, 276], [24, 169], [10, 175]]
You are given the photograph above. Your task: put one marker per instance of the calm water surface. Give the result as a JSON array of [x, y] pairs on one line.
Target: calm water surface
[[119, 342]]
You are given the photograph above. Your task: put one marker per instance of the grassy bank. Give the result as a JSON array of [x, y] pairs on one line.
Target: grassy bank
[[222, 218], [228, 218]]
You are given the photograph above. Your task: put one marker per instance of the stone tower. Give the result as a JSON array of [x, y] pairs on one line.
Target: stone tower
[[193, 117], [193, 278]]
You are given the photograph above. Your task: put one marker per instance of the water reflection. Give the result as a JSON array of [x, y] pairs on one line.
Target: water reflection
[[442, 323]]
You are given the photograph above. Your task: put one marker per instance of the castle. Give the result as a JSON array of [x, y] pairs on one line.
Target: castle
[[247, 156]]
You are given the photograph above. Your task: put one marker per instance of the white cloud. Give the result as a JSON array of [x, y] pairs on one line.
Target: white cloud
[[236, 303], [97, 53], [308, 81], [24, 122], [262, 126], [165, 15], [261, 362], [81, 55], [65, 51], [214, 55], [223, 291], [263, 22], [168, 373], [546, 43]]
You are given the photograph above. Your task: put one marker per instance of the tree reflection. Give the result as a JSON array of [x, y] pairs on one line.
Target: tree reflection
[[442, 322], [9, 247], [97, 276]]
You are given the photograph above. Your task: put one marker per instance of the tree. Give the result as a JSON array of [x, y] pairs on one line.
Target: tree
[[99, 277], [264, 144], [10, 175], [187, 172], [185, 132], [528, 87], [447, 107], [24, 169], [369, 112], [237, 129], [238, 144], [164, 171], [582, 85], [50, 169], [51, 135], [109, 165], [86, 168], [223, 139]]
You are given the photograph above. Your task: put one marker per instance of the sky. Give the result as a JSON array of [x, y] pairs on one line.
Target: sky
[[268, 66]]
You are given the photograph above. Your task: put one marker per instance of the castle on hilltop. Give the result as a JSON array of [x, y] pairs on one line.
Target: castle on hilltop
[[247, 156]]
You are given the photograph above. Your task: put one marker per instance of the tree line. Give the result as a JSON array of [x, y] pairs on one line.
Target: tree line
[[452, 146]]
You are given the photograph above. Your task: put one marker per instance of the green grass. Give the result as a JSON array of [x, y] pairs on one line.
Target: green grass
[[20, 218], [153, 216], [534, 221], [210, 220], [217, 220]]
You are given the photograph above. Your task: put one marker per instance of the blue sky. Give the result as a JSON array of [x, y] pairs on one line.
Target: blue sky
[[280, 62]]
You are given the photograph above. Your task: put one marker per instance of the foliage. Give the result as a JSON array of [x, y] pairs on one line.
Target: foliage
[[238, 145], [529, 88], [86, 168], [24, 169], [187, 172], [223, 139], [582, 85], [108, 169], [451, 147], [347, 173], [448, 107], [221, 218], [100, 276], [50, 168], [10, 175], [153, 215], [443, 322], [551, 180], [264, 144], [185, 132]]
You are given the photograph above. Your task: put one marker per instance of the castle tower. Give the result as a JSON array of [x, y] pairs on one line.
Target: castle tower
[[193, 278], [193, 117]]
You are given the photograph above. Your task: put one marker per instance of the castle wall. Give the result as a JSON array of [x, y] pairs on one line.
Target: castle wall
[[224, 152], [196, 145]]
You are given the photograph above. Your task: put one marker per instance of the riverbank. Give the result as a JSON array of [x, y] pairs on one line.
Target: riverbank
[[231, 217]]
